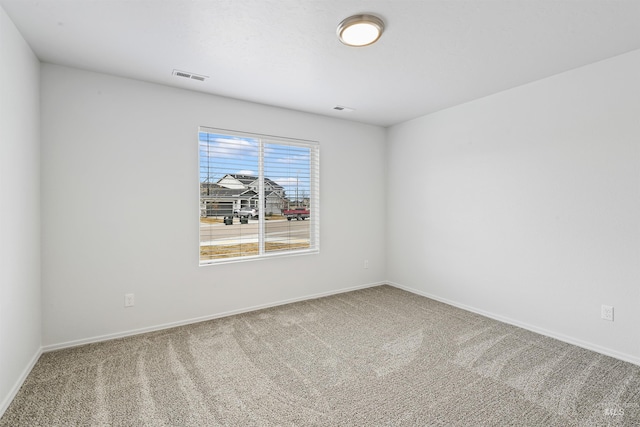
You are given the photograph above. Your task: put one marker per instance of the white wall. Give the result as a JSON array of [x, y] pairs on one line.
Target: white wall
[[19, 210], [525, 205], [120, 207]]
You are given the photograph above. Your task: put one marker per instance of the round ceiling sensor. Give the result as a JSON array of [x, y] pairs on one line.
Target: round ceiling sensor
[[360, 30]]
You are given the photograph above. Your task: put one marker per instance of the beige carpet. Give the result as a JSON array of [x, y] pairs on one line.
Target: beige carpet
[[374, 357]]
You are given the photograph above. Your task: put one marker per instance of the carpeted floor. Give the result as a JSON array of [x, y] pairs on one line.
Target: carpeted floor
[[375, 357]]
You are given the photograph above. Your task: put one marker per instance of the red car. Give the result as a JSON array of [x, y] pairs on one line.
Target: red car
[[297, 213]]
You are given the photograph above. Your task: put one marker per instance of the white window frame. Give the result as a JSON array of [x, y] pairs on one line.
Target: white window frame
[[314, 196]]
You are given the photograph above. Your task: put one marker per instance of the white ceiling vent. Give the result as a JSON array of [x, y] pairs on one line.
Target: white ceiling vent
[[188, 75], [343, 108]]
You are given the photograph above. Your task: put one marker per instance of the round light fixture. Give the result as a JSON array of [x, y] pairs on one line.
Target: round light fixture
[[360, 30]]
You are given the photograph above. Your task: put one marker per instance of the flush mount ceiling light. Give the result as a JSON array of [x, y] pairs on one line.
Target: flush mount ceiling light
[[360, 30]]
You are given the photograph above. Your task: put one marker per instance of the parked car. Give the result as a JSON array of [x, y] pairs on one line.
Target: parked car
[[297, 213], [247, 211]]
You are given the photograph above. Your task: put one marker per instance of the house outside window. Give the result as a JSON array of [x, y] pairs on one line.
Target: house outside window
[[259, 196]]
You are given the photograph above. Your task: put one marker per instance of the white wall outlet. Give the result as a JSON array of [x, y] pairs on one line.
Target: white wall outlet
[[606, 312], [366, 263], [129, 300]]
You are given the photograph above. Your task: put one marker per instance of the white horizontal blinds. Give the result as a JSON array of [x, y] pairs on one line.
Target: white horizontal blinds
[[271, 175], [288, 179], [228, 187], [315, 197]]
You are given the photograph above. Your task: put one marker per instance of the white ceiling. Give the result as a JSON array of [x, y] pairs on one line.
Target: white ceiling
[[434, 53]]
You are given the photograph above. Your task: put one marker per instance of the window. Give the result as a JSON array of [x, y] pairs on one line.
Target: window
[[258, 196]]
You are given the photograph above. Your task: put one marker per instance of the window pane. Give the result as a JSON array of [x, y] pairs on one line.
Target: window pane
[[228, 193], [258, 195], [287, 174]]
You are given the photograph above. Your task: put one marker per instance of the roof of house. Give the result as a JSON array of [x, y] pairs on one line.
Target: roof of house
[[228, 193], [268, 194], [248, 179], [244, 179]]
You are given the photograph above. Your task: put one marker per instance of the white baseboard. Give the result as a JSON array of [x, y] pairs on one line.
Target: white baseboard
[[569, 340], [16, 387], [123, 334]]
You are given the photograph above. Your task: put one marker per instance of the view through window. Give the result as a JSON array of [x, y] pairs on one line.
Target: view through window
[[258, 195]]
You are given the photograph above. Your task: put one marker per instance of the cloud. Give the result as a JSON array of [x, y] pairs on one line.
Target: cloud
[[222, 146], [293, 160], [285, 181]]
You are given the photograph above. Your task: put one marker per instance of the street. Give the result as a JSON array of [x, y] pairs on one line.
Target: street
[[275, 230]]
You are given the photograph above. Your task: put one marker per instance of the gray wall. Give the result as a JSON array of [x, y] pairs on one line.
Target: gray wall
[[525, 205], [19, 210], [120, 207]]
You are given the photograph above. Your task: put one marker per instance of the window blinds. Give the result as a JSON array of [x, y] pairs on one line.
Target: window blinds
[[259, 196]]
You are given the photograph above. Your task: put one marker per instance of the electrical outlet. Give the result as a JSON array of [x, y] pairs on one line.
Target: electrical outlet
[[366, 263], [129, 300], [606, 312]]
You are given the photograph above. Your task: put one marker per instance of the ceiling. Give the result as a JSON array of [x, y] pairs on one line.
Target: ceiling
[[433, 54]]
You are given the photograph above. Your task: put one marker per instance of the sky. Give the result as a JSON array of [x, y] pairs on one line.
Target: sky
[[287, 165]]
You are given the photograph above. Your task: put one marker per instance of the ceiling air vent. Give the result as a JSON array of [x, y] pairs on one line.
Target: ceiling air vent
[[343, 108], [188, 75]]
